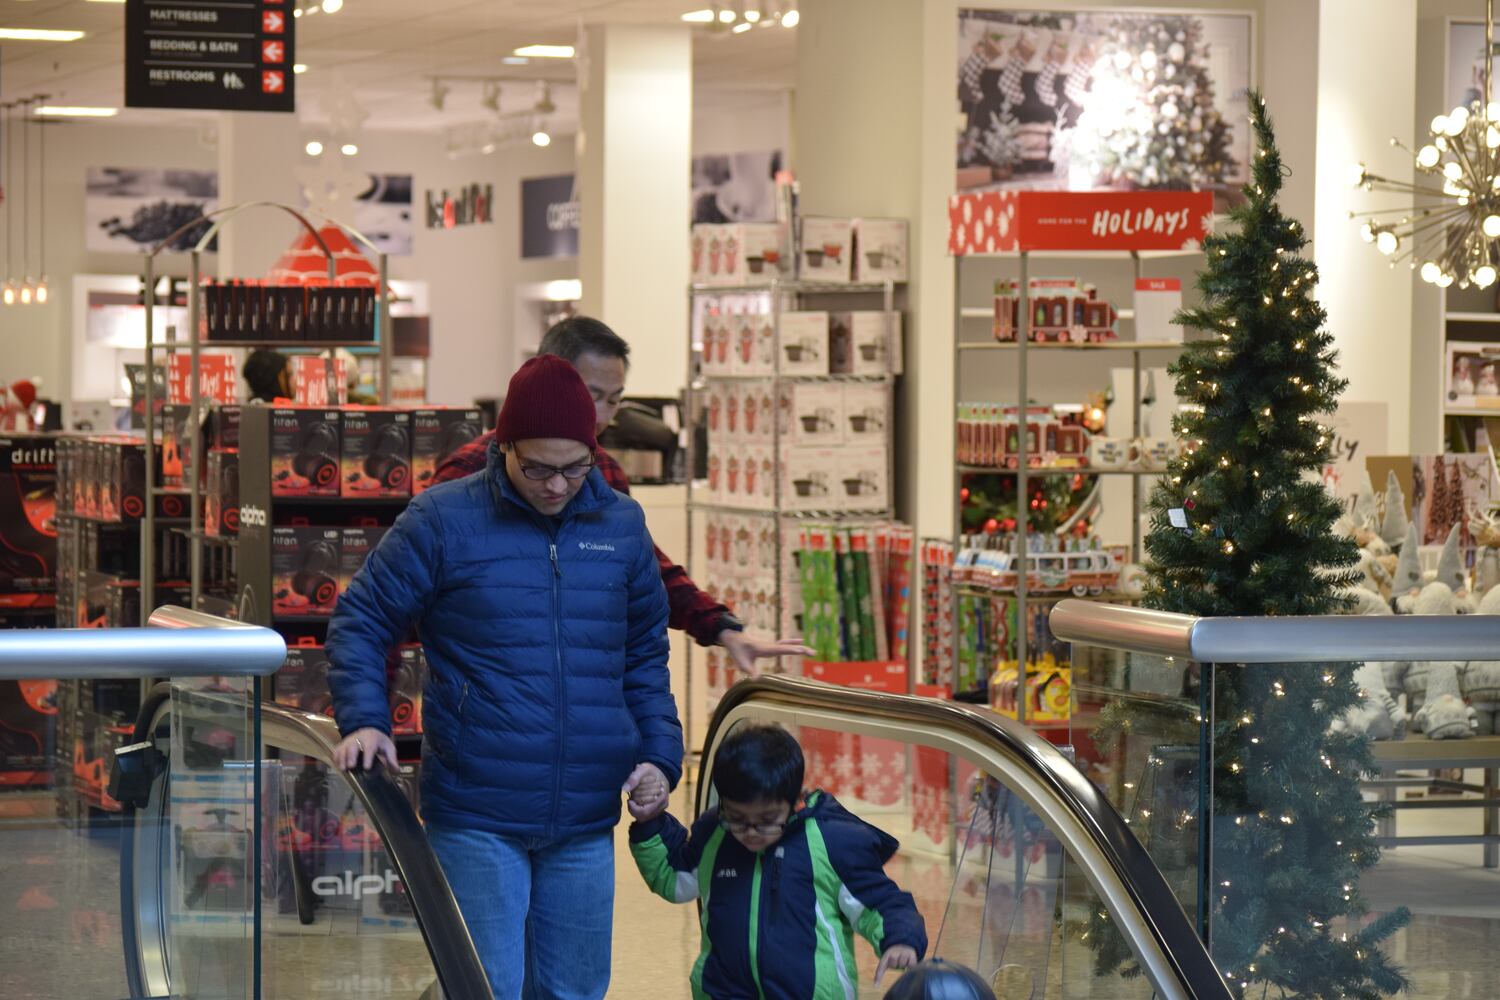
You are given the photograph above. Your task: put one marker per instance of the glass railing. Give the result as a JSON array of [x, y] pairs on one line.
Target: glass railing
[[334, 893], [70, 701], [1314, 848], [1017, 862]]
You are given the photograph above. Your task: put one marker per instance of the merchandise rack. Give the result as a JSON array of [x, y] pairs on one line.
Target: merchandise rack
[[779, 292], [194, 344], [1022, 346]]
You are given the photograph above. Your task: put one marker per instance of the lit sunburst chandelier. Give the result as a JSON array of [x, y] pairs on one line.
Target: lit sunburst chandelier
[[1457, 223]]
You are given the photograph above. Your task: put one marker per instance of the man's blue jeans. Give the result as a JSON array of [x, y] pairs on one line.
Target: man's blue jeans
[[540, 911]]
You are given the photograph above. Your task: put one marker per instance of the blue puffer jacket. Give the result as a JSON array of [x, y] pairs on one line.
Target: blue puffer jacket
[[547, 642]]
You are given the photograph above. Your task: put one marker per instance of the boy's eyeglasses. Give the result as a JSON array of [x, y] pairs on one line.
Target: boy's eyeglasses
[[738, 827]]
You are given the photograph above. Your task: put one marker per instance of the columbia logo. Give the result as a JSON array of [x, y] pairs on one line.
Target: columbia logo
[[596, 546], [727, 873]]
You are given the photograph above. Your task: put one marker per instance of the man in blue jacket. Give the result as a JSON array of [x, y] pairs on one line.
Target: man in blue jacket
[[534, 589]]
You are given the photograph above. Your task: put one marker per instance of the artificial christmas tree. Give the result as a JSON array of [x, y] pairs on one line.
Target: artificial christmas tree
[[1150, 119], [1243, 526]]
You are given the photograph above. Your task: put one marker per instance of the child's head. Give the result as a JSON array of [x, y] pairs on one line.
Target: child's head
[[936, 979], [758, 774]]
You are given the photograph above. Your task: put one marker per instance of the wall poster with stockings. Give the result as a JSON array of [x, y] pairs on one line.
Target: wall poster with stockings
[[1104, 100]]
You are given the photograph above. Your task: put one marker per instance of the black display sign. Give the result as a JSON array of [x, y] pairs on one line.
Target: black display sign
[[219, 55], [471, 205], [549, 217]]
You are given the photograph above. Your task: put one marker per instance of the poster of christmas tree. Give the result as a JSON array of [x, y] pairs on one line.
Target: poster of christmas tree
[[1057, 100]]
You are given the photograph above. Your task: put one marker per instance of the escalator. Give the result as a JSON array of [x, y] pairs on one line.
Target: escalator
[[272, 874]]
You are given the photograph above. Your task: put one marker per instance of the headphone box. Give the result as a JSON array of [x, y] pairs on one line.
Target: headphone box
[[120, 471], [356, 546], [302, 681], [436, 433], [221, 505], [305, 444], [304, 570], [405, 688], [377, 452], [109, 601], [28, 513], [176, 445]]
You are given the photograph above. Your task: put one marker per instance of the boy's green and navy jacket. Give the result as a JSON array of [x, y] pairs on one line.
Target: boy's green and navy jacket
[[780, 925]]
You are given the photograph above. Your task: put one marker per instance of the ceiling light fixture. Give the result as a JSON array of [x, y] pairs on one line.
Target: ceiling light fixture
[[299, 68], [544, 105], [332, 6], [546, 51], [39, 35], [516, 61], [1456, 197], [752, 15], [791, 18], [41, 256], [349, 149], [62, 111], [699, 17], [314, 148], [541, 138], [727, 16], [742, 27]]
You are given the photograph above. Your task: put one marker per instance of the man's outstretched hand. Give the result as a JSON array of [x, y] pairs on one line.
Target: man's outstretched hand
[[744, 650]]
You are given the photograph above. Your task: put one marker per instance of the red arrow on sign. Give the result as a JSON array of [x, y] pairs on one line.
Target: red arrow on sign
[[272, 52], [272, 22], [273, 81]]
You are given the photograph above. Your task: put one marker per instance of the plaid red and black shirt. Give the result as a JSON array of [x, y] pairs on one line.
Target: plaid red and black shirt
[[693, 611]]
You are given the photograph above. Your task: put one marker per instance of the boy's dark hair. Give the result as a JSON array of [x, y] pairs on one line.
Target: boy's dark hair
[[759, 762], [262, 372], [576, 336], [936, 979]]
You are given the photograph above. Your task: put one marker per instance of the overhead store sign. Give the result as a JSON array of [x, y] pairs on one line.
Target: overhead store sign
[[549, 217], [1012, 221], [217, 55]]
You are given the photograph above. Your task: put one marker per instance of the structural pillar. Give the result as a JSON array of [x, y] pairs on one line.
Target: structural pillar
[[1367, 68], [250, 244], [634, 163]]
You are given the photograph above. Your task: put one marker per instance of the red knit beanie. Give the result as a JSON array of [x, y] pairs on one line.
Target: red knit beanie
[[547, 399]]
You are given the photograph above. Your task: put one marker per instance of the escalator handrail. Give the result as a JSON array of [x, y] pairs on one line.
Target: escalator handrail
[[1273, 639], [1143, 881], [454, 958], [200, 646]]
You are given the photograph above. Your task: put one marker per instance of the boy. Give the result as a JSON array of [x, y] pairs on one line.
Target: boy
[[786, 880]]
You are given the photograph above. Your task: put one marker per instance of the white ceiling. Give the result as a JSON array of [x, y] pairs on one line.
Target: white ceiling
[[385, 52]]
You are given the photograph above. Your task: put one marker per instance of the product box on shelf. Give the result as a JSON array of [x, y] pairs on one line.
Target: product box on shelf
[[107, 601], [760, 477], [738, 253], [120, 466], [224, 427], [863, 479], [218, 380], [867, 675], [715, 346], [734, 395], [319, 381], [376, 453], [406, 691], [827, 250], [1473, 376], [355, 546], [1060, 309], [867, 414], [305, 570], [1049, 692], [302, 681], [176, 445], [305, 452], [758, 401], [882, 248], [859, 343], [436, 433], [812, 414], [804, 343], [752, 340], [221, 504], [28, 513], [28, 715], [810, 479]]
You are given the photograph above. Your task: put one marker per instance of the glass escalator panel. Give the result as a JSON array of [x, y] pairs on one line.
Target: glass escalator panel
[[1010, 879]]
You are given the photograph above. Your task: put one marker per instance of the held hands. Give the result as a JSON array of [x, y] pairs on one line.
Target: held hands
[[897, 956], [744, 651], [361, 748], [648, 790]]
